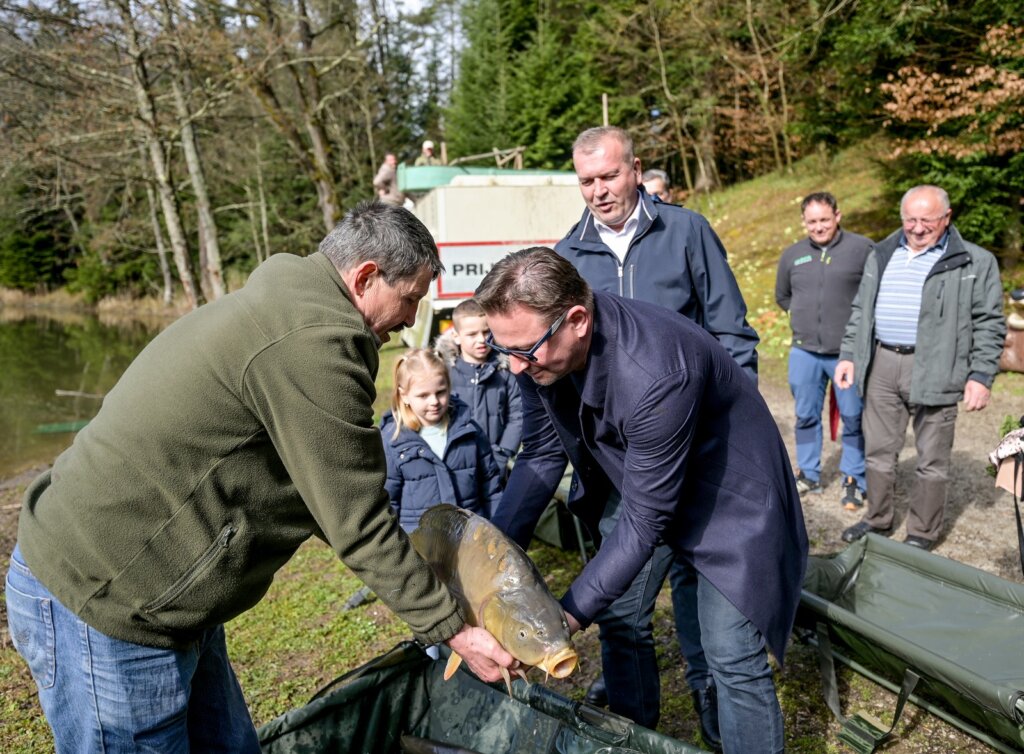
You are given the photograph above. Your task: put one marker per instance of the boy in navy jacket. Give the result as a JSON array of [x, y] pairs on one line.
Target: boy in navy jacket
[[480, 379]]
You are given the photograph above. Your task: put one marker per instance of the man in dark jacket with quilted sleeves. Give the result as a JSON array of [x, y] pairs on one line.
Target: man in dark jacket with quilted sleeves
[[658, 418]]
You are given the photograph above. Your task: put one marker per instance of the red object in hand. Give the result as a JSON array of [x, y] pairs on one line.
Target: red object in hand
[[833, 412]]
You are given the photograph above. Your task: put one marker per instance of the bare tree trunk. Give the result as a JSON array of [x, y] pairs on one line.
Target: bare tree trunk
[[158, 234], [764, 92], [161, 250], [264, 224], [250, 210], [330, 204], [146, 114], [181, 87], [676, 116], [318, 168], [705, 148], [784, 117]]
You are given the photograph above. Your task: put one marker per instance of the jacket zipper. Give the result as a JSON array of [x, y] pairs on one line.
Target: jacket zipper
[[942, 302], [621, 270], [212, 552]]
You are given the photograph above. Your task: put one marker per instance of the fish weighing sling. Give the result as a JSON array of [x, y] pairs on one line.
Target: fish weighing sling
[[498, 587]]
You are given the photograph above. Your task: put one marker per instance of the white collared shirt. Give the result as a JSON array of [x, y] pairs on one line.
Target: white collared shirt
[[618, 240]]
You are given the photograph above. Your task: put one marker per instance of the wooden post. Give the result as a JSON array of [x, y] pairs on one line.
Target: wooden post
[[604, 108]]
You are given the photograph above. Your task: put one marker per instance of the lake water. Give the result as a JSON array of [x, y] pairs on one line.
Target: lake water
[[40, 356]]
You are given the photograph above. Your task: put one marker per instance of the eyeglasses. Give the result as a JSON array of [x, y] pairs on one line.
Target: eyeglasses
[[529, 354], [927, 222]]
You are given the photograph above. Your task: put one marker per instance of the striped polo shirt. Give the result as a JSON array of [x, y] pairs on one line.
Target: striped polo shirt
[[898, 305]]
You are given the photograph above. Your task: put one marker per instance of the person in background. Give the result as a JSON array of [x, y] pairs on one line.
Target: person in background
[[925, 332], [628, 244], [239, 432], [426, 156], [657, 184], [480, 377], [659, 422], [435, 452], [386, 182], [816, 282]]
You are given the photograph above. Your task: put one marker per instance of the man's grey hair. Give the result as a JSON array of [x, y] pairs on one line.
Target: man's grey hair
[[537, 278], [393, 237], [591, 140], [656, 174], [941, 192]]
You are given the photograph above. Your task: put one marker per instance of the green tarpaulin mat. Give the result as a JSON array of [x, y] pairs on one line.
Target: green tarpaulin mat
[[949, 637], [403, 691]]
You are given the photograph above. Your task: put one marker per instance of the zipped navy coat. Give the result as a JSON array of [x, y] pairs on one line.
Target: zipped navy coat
[[417, 479], [664, 415], [492, 393], [675, 259]]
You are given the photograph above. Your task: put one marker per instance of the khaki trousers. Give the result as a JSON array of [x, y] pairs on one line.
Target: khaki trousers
[[887, 410]]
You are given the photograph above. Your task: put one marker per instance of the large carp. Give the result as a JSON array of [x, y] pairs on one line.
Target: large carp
[[498, 588]]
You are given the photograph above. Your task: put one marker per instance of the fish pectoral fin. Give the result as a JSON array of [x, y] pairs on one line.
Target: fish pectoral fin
[[521, 672], [453, 664], [508, 680]]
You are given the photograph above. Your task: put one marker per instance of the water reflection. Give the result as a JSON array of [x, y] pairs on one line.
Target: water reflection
[[43, 353]]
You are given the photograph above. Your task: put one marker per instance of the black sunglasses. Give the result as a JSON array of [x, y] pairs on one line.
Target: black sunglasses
[[528, 355]]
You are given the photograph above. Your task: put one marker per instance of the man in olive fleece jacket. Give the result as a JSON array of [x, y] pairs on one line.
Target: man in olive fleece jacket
[[241, 430]]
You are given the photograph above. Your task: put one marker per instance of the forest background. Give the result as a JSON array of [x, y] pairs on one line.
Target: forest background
[[164, 148]]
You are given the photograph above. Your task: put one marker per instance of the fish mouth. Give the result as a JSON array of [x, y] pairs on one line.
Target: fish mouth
[[562, 663]]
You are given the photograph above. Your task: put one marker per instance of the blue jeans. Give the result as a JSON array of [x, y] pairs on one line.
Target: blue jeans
[[735, 656], [683, 578], [749, 716], [101, 694], [628, 657], [809, 376], [625, 629]]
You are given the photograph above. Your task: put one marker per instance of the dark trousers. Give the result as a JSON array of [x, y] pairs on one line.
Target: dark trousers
[[625, 629], [887, 411], [733, 655]]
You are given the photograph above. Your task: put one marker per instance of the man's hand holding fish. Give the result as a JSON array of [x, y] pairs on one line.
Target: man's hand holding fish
[[482, 653]]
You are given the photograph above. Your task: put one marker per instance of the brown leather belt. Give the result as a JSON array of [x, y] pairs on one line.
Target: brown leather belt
[[897, 349]]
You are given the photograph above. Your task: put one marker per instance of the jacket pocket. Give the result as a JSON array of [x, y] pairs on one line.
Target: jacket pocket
[[213, 554]]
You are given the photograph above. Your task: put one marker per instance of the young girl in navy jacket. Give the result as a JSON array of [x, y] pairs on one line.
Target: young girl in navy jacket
[[435, 452]]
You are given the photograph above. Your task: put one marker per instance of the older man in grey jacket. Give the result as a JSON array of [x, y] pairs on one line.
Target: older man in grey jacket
[[926, 331]]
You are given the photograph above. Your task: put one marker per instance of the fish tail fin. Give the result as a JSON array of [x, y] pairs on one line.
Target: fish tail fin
[[453, 664]]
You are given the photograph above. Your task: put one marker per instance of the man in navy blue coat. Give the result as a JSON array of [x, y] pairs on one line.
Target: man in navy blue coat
[[628, 244], [655, 414]]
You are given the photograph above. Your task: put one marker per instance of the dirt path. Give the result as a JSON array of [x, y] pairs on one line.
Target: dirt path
[[980, 527]]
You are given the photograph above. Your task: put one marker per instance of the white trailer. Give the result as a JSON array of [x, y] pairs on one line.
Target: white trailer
[[478, 219]]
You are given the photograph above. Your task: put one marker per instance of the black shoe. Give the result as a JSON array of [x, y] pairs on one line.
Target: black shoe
[[852, 499], [705, 704], [597, 694], [805, 485], [921, 542], [859, 529]]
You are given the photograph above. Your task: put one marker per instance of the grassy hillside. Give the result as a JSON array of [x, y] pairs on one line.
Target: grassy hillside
[[757, 219]]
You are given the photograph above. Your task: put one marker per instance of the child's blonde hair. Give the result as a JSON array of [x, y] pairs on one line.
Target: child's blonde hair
[[413, 363]]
